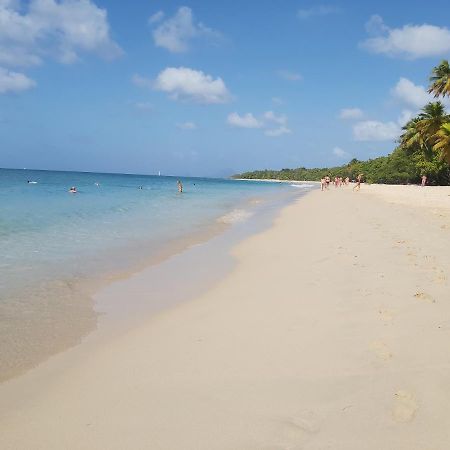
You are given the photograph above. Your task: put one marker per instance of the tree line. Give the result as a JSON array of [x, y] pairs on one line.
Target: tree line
[[423, 148]]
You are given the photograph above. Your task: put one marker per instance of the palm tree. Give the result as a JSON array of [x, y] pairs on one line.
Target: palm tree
[[442, 144], [430, 120], [440, 80], [411, 137]]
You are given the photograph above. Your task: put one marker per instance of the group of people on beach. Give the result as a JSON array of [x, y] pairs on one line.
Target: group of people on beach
[[339, 181]]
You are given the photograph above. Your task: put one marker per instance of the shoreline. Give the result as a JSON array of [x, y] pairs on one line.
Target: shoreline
[[324, 333], [91, 314], [275, 180]]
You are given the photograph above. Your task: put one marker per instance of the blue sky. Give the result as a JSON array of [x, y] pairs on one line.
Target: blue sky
[[210, 88]]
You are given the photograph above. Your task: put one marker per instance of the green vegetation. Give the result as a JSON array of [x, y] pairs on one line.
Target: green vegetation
[[424, 149]]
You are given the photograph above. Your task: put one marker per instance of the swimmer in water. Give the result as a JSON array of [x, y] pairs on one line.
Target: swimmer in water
[[180, 186], [73, 190]]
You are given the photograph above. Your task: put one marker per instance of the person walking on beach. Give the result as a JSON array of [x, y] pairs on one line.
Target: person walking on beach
[[357, 187], [322, 184], [180, 186], [424, 180]]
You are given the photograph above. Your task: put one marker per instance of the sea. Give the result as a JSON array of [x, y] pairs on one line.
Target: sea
[[55, 244]]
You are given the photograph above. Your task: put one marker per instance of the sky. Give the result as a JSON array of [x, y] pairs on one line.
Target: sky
[[211, 88]]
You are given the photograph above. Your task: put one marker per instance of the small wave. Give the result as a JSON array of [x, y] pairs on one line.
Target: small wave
[[302, 186], [235, 216]]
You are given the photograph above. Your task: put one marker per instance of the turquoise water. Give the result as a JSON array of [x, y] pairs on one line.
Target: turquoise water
[[45, 231], [50, 239]]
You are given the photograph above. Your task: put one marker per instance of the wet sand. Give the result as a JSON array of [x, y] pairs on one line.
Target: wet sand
[[331, 331]]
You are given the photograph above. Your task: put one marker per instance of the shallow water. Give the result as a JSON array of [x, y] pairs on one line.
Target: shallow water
[[53, 243]]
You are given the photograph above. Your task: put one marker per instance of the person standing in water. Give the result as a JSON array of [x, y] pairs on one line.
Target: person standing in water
[[180, 186]]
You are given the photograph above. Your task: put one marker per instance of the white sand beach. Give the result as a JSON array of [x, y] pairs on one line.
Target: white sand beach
[[331, 331]]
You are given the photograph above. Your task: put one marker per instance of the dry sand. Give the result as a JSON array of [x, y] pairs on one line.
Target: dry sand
[[332, 332]]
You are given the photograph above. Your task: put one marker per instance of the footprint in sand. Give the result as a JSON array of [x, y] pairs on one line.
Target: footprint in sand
[[385, 315], [439, 276], [398, 244], [381, 350], [423, 296], [405, 407]]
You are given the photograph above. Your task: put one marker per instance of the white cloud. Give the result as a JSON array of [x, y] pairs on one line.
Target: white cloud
[[411, 94], [187, 126], [281, 121], [271, 116], [183, 83], [350, 114], [289, 75], [405, 116], [409, 41], [267, 122], [141, 81], [245, 121], [373, 130], [18, 57], [14, 81], [342, 154], [175, 33], [375, 25], [58, 30], [157, 17], [319, 10]]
